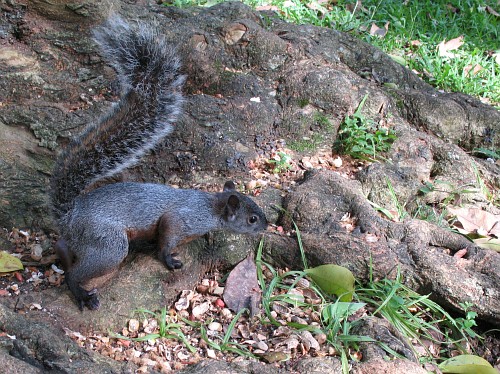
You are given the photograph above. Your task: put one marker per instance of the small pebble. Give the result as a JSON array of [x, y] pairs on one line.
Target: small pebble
[[214, 326], [133, 325]]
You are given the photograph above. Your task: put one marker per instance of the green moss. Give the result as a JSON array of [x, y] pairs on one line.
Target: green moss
[[303, 102], [323, 121], [306, 144]]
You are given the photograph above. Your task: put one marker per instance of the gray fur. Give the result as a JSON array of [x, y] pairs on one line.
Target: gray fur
[[96, 226]]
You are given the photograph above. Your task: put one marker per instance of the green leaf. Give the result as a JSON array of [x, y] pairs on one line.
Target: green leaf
[[9, 263], [488, 243], [467, 364], [400, 60], [486, 152], [339, 311], [391, 85], [333, 279], [346, 309]]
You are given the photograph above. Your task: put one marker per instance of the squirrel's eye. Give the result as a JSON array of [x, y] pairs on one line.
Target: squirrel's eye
[[253, 219]]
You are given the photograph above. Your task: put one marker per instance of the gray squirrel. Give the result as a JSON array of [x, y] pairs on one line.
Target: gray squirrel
[[97, 226]]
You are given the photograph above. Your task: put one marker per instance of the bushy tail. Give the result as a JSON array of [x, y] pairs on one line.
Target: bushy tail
[[151, 100]]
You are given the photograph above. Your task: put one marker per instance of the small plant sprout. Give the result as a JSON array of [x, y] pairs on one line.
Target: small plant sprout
[[281, 162], [361, 138]]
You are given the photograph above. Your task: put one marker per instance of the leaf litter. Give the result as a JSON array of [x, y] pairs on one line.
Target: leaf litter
[[201, 320]]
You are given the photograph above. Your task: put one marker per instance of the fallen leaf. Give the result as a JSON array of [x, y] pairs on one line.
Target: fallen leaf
[[477, 68], [445, 47], [467, 364], [184, 300], [333, 279], [242, 288], [474, 219], [377, 31], [309, 341], [490, 10], [9, 263], [488, 243]]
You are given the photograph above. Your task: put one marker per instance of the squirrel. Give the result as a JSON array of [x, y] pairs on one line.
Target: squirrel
[[96, 225]]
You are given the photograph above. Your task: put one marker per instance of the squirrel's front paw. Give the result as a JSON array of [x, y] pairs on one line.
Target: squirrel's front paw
[[172, 263], [88, 299]]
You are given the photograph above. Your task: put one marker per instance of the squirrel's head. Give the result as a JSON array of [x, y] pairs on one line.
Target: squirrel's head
[[240, 213]]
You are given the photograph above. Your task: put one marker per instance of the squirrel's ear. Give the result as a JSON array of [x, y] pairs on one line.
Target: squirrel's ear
[[229, 186], [233, 204]]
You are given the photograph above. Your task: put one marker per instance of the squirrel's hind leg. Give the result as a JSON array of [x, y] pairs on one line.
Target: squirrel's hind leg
[[94, 259], [168, 240]]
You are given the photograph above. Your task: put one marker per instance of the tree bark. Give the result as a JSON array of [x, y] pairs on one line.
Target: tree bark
[[252, 80]]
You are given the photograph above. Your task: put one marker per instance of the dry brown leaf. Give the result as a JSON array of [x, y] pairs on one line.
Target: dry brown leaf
[[445, 47], [377, 31], [476, 220], [477, 68], [490, 10], [314, 5], [267, 7], [242, 287]]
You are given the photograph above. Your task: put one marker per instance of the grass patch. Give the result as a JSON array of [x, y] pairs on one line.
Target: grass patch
[[414, 33], [306, 143], [415, 316]]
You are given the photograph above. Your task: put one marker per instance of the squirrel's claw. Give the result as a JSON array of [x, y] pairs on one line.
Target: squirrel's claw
[[172, 263], [88, 299]]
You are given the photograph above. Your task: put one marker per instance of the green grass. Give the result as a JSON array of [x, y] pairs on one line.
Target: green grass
[[306, 144], [224, 342], [322, 132], [166, 329], [432, 22], [427, 22], [415, 316]]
